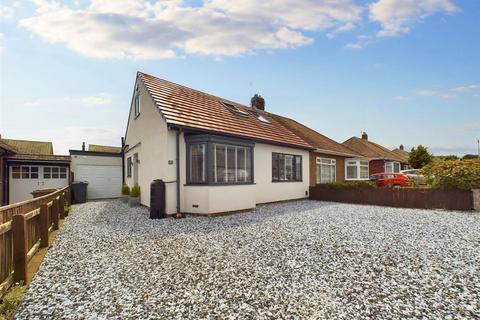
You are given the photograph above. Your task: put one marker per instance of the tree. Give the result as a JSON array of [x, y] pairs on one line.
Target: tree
[[448, 157], [470, 156], [419, 157]]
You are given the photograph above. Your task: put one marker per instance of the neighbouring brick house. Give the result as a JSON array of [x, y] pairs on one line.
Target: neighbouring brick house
[[401, 153], [328, 160], [380, 158]]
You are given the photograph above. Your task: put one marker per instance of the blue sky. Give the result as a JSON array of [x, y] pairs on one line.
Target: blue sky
[[406, 72]]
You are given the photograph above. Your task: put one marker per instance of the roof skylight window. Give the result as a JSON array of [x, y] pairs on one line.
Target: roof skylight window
[[234, 109], [263, 119]]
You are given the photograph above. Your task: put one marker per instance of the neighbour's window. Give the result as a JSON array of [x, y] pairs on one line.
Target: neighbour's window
[[129, 166], [137, 102], [197, 163], [286, 167], [392, 167], [231, 164], [326, 170], [356, 170], [24, 172]]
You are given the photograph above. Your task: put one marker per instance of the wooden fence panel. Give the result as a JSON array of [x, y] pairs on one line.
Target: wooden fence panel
[[422, 198], [24, 228]]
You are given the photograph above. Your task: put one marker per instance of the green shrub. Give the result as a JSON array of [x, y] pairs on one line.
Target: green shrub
[[347, 185], [11, 300], [125, 189], [461, 174], [135, 192]]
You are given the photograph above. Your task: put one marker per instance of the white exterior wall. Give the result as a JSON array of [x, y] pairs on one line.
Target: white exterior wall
[[93, 160], [268, 191], [156, 147]]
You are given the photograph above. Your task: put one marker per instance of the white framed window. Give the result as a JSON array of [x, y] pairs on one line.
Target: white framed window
[[24, 172], [326, 170], [54, 172], [391, 167], [197, 163], [356, 169]]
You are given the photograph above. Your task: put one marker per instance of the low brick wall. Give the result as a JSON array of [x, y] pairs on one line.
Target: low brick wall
[[451, 199]]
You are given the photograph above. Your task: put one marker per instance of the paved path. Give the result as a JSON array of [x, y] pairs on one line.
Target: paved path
[[304, 259]]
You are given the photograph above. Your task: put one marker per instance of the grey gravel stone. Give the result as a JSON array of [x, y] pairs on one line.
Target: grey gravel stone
[[298, 260]]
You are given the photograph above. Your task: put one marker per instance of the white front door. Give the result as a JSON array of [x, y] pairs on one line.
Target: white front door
[[103, 181], [23, 179]]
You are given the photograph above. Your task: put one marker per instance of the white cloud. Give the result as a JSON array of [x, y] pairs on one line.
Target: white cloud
[[435, 93], [397, 16], [140, 29], [354, 46], [6, 12], [401, 98], [449, 93], [101, 99], [466, 89], [473, 127]]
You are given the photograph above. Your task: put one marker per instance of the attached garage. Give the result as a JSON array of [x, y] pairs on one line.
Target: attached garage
[[101, 170]]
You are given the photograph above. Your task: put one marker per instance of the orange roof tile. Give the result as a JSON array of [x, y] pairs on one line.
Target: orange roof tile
[[185, 107]]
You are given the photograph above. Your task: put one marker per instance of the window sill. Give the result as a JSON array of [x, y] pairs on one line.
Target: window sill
[[217, 184], [281, 181], [364, 179]]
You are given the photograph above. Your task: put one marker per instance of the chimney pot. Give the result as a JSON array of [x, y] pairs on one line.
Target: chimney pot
[[257, 102], [401, 147], [83, 146], [364, 136]]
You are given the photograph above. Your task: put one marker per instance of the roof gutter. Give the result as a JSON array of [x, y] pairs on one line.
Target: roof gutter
[[337, 153]]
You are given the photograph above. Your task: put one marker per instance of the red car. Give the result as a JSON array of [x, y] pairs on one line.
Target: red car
[[390, 180]]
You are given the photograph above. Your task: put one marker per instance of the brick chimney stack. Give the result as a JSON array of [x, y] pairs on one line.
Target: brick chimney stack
[[364, 136], [257, 102]]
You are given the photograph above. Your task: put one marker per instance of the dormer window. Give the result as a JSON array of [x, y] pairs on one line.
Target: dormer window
[[137, 102], [233, 109]]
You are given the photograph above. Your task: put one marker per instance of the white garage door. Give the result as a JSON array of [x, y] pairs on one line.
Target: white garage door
[[26, 178], [103, 181]]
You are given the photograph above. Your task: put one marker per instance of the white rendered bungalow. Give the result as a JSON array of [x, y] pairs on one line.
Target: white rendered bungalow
[[214, 155]]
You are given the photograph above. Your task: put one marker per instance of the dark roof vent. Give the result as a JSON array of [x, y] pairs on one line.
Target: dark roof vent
[[257, 102], [364, 136], [401, 147], [83, 146]]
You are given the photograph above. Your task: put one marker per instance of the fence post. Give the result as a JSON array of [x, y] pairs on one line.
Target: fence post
[[66, 202], [61, 205], [43, 226], [19, 248], [55, 211]]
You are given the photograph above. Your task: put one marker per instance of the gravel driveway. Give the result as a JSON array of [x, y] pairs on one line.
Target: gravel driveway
[[297, 260]]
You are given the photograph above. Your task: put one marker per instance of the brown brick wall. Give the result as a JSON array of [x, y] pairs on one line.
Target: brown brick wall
[[340, 174], [376, 166]]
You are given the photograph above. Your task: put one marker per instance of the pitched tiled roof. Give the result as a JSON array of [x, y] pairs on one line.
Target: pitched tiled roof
[[30, 147], [370, 149], [7, 147], [402, 154], [315, 139], [108, 149], [185, 107]]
